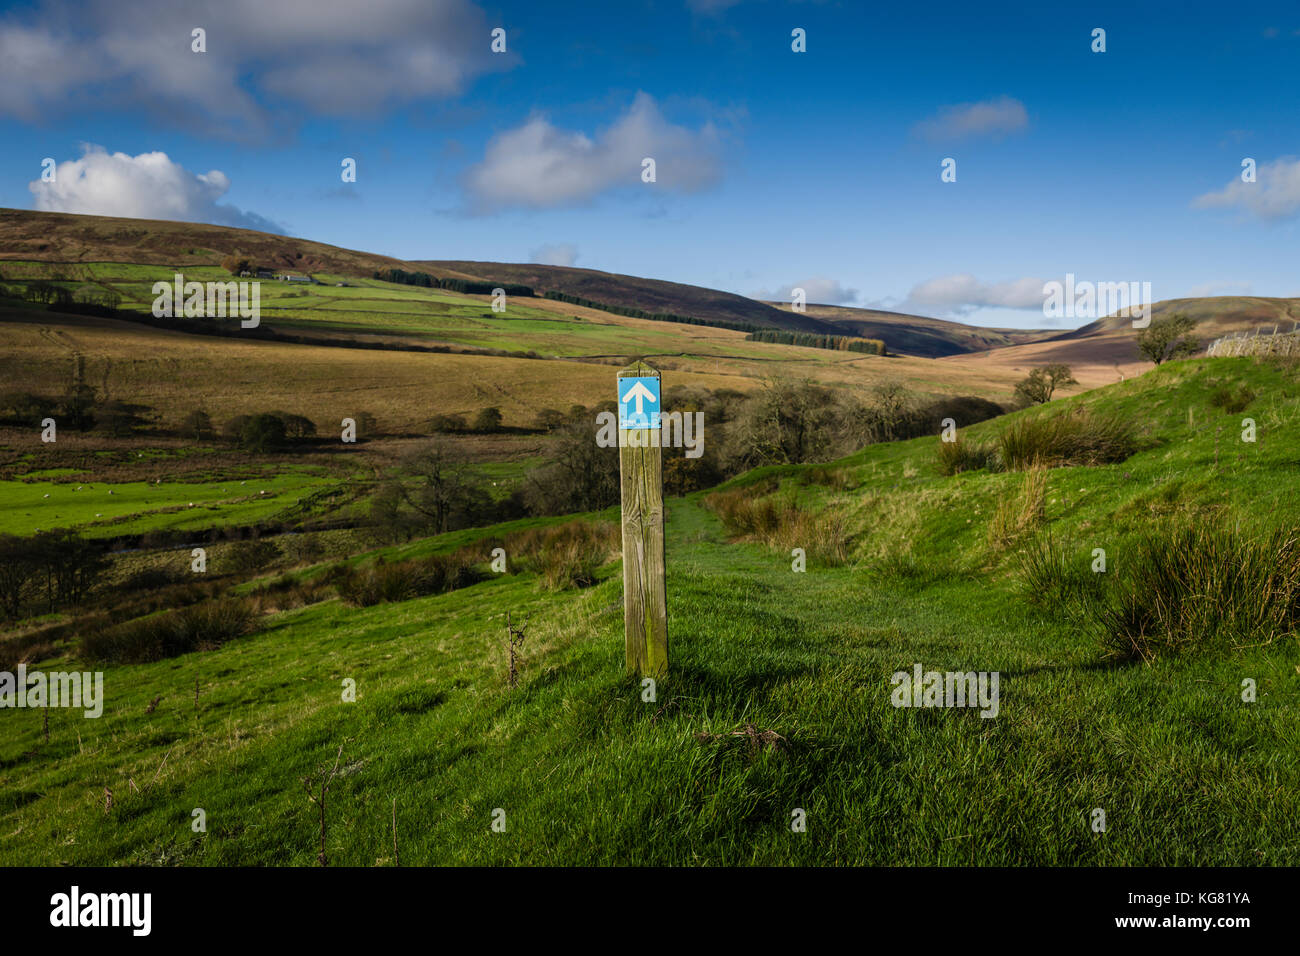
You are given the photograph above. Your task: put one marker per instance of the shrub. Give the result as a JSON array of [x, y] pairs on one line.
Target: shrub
[[488, 420], [258, 433], [1230, 400], [448, 423], [253, 556], [961, 455], [385, 582], [1080, 437], [1058, 579], [201, 626], [150, 579], [1199, 586], [1192, 588], [836, 479], [565, 555]]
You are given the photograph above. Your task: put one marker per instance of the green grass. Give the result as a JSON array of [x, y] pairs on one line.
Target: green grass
[[587, 772], [135, 507]]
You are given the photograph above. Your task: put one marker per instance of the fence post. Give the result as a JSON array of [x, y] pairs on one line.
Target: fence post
[[640, 465]]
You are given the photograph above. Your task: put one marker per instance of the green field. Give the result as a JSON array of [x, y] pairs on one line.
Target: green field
[[371, 307], [1185, 770], [100, 508]]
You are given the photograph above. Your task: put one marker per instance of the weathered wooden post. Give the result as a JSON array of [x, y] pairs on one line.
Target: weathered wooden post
[[640, 465]]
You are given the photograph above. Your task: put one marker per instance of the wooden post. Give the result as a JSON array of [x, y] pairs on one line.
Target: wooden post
[[640, 465]]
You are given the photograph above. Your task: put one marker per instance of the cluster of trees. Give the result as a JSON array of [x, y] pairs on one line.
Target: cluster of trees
[[433, 489], [41, 574], [438, 489], [643, 314], [79, 408], [407, 278], [262, 432], [488, 420], [469, 287], [87, 297], [838, 343], [463, 286]]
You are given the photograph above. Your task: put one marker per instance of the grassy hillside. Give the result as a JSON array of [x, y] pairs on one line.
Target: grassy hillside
[[779, 697], [69, 240], [537, 354], [65, 238], [652, 295]]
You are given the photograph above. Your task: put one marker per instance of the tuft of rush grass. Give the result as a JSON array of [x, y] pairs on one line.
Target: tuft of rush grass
[[961, 455], [1204, 587], [1185, 589], [779, 522], [1233, 401], [1022, 511], [1078, 436], [203, 626]]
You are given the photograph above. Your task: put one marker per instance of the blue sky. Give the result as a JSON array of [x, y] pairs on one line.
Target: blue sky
[[774, 168]]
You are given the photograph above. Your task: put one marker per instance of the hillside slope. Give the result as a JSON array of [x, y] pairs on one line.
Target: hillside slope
[[779, 698], [652, 295], [1215, 316], [66, 238], [1105, 351], [917, 335]]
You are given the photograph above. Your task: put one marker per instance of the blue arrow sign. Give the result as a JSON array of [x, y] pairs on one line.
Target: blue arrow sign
[[638, 402]]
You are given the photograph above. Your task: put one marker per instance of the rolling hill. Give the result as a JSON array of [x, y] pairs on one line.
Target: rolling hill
[[916, 335], [652, 295], [1215, 315], [1106, 351]]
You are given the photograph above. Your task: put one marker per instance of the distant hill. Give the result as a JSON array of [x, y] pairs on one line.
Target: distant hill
[[64, 237], [652, 295], [917, 335], [1215, 316], [1106, 351]]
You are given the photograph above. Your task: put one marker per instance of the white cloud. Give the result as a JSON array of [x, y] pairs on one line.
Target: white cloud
[[962, 293], [148, 186], [818, 291], [985, 118], [555, 254], [1274, 195], [328, 56], [540, 165]]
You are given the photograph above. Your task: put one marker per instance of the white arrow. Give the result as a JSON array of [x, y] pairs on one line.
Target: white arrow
[[641, 394]]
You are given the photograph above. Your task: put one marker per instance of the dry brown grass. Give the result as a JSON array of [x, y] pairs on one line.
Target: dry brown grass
[[1022, 511], [778, 522]]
